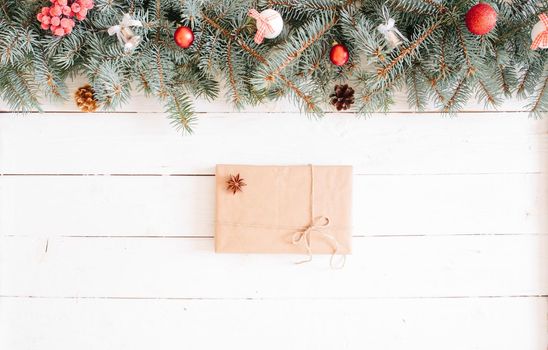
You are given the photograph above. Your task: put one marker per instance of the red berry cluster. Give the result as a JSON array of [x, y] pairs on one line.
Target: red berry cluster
[[58, 17]]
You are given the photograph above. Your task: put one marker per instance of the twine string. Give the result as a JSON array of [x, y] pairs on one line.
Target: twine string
[[318, 225]]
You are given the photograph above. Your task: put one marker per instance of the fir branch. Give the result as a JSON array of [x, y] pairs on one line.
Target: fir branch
[[433, 84], [489, 97], [441, 9], [379, 54], [310, 105], [180, 111], [408, 50], [504, 80], [308, 5], [162, 92], [523, 83], [419, 7], [414, 94], [540, 99], [235, 94], [18, 87], [294, 54], [443, 64], [238, 40], [458, 95], [470, 68], [56, 87]]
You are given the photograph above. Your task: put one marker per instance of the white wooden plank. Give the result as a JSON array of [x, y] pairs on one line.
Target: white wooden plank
[[146, 143], [449, 324], [185, 205], [140, 103], [428, 266]]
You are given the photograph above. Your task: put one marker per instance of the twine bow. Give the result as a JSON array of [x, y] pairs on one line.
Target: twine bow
[[263, 24], [542, 38], [124, 34], [318, 226]]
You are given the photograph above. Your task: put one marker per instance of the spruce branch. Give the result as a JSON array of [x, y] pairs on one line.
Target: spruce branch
[[18, 87], [437, 5], [312, 5], [540, 102], [442, 62], [179, 109], [444, 70], [408, 50], [419, 7], [459, 95], [433, 84], [238, 40], [486, 93], [235, 95], [530, 75], [303, 44], [415, 89], [470, 69], [162, 90], [523, 83], [306, 99]]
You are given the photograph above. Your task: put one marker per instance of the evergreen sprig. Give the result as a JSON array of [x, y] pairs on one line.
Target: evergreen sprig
[[441, 63]]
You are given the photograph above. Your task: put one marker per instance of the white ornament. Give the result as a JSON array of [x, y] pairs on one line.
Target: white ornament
[[269, 24], [275, 20], [392, 35], [536, 31], [125, 34]]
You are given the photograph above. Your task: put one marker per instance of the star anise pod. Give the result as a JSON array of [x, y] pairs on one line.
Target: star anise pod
[[235, 183]]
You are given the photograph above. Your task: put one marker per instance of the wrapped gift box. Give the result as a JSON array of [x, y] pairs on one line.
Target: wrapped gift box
[[283, 209]]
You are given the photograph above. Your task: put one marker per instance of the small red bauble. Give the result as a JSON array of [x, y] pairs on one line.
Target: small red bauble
[[184, 37], [339, 54], [481, 19]]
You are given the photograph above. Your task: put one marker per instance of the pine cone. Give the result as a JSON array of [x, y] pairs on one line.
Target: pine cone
[[343, 97], [85, 99]]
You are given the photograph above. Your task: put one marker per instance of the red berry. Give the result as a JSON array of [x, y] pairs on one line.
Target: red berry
[[55, 21], [481, 19], [65, 23], [59, 32], [184, 37], [339, 54], [55, 10], [67, 11], [75, 7]]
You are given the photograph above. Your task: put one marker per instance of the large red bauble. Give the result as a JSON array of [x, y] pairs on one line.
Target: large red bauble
[[481, 19], [339, 54], [184, 37]]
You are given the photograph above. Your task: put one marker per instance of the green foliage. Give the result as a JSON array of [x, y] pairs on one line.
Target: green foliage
[[439, 64]]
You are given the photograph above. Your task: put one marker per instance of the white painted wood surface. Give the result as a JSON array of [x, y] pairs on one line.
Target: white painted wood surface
[[106, 226]]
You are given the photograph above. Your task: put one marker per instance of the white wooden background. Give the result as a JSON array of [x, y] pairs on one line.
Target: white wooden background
[[106, 225]]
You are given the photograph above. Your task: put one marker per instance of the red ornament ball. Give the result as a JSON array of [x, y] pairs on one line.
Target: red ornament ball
[[184, 37], [481, 19], [339, 55]]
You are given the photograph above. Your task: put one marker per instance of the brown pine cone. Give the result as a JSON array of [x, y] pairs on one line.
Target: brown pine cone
[[343, 97], [85, 99]]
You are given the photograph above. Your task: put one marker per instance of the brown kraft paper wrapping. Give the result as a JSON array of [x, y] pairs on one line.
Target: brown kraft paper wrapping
[[280, 201]]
